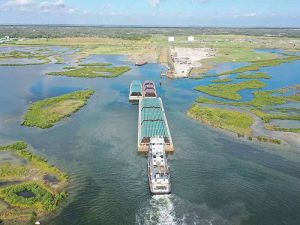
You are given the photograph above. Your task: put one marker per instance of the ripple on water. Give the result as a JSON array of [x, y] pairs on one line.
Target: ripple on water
[[170, 209]]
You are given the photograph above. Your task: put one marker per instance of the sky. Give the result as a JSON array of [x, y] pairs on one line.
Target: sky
[[222, 13]]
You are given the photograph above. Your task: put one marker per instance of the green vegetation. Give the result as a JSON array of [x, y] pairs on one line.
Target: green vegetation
[[286, 110], [32, 196], [224, 80], [96, 64], [277, 128], [234, 121], [23, 55], [229, 91], [69, 67], [206, 101], [264, 98], [20, 149], [59, 59], [251, 67], [294, 98], [275, 62], [46, 113], [17, 55], [93, 71], [198, 77], [256, 65], [261, 99], [9, 171], [43, 198], [268, 139], [254, 76], [268, 117]]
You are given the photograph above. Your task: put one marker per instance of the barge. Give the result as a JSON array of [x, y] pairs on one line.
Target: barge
[[149, 89], [158, 169], [135, 91], [152, 122], [141, 63]]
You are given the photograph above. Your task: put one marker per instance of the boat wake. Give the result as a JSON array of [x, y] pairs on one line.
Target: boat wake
[[171, 210], [159, 210]]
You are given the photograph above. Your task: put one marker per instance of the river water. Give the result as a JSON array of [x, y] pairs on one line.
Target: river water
[[216, 179]]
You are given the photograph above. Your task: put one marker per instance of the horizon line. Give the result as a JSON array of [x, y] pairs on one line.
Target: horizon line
[[148, 26]]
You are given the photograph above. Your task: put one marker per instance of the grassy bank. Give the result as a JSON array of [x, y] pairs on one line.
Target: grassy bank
[[254, 76], [268, 139], [261, 99], [93, 71], [268, 117], [46, 113], [23, 55], [224, 80], [59, 59], [95, 64], [278, 128], [230, 120], [256, 65], [20, 149], [230, 91], [45, 197]]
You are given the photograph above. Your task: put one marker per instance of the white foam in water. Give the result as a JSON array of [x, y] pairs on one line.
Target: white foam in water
[[172, 210], [160, 211]]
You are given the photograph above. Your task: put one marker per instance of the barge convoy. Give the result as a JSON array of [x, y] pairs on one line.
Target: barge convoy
[[154, 135]]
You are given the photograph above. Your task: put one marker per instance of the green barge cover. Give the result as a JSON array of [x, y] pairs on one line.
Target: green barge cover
[[152, 119], [136, 86]]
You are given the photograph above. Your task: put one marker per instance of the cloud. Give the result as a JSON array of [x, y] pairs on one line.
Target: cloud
[[21, 5], [154, 3], [57, 6], [16, 3], [201, 1]]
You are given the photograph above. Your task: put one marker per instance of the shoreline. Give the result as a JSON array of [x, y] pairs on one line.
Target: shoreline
[[257, 127]]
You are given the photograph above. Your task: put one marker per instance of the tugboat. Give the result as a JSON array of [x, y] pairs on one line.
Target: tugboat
[[158, 170]]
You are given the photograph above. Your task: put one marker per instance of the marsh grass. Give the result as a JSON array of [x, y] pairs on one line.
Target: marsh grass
[[45, 199], [230, 120], [46, 113], [224, 80], [278, 128], [230, 91], [23, 55], [257, 64], [93, 71], [254, 76], [268, 117], [96, 64], [9, 171], [268, 139]]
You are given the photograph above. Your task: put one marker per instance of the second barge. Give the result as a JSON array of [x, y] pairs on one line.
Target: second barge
[[149, 90], [135, 92]]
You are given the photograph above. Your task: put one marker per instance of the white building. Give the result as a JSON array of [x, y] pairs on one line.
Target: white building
[[191, 38], [6, 37], [171, 39]]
